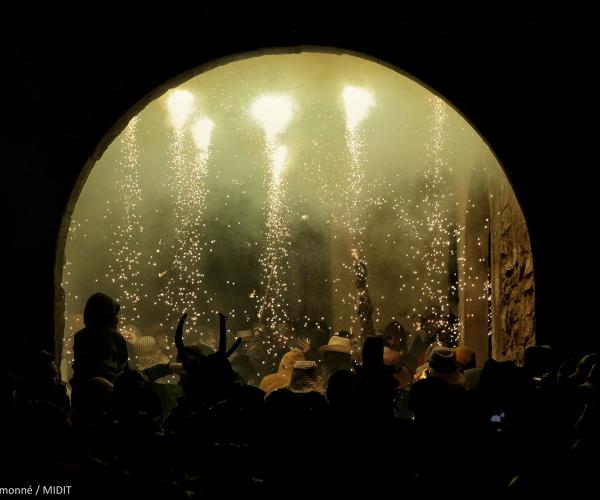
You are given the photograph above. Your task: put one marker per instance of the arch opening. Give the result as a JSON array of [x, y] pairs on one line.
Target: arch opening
[[291, 190]]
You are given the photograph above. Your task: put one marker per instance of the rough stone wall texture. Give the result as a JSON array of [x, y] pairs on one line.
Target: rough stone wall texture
[[513, 303]]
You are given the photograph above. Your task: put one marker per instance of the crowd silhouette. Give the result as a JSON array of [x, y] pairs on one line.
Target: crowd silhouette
[[419, 420]]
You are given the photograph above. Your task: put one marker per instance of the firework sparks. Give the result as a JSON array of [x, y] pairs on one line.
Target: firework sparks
[[273, 113], [438, 226], [294, 210], [183, 288], [125, 246]]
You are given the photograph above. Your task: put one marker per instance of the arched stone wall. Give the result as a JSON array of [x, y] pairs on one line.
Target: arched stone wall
[[523, 79]]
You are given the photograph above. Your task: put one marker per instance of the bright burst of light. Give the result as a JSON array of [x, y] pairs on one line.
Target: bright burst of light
[[201, 132], [180, 104], [274, 113], [357, 103]]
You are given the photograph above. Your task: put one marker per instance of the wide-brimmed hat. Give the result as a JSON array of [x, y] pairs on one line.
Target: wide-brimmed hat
[[442, 364], [337, 344], [305, 377]]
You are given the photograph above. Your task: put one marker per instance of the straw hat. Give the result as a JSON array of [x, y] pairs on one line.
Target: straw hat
[[148, 354], [337, 344], [305, 377]]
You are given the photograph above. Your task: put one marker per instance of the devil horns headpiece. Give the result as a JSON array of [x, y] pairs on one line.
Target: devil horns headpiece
[[185, 352]]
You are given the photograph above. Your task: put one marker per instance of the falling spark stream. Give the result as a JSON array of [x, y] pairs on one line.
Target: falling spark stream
[[438, 224], [275, 260], [125, 246], [357, 103], [183, 286], [431, 225], [273, 112]]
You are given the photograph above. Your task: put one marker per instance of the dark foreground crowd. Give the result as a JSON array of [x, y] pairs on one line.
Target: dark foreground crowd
[[320, 427]]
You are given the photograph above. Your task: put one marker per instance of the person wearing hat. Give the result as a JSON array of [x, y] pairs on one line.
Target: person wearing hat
[[336, 356], [156, 367], [147, 353], [131, 334], [99, 349], [375, 388], [283, 376], [442, 364], [305, 378], [150, 360]]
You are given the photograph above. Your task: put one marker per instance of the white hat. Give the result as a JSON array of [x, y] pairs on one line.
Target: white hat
[[337, 344]]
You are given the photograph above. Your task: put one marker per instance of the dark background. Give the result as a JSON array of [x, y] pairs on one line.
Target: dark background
[[523, 78]]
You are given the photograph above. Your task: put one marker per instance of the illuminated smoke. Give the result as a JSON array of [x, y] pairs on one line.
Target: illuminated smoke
[[273, 113], [324, 172], [357, 103]]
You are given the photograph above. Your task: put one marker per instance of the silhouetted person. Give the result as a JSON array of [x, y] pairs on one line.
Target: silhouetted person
[[442, 364], [339, 390], [282, 377], [99, 349], [336, 355], [41, 380], [374, 390]]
